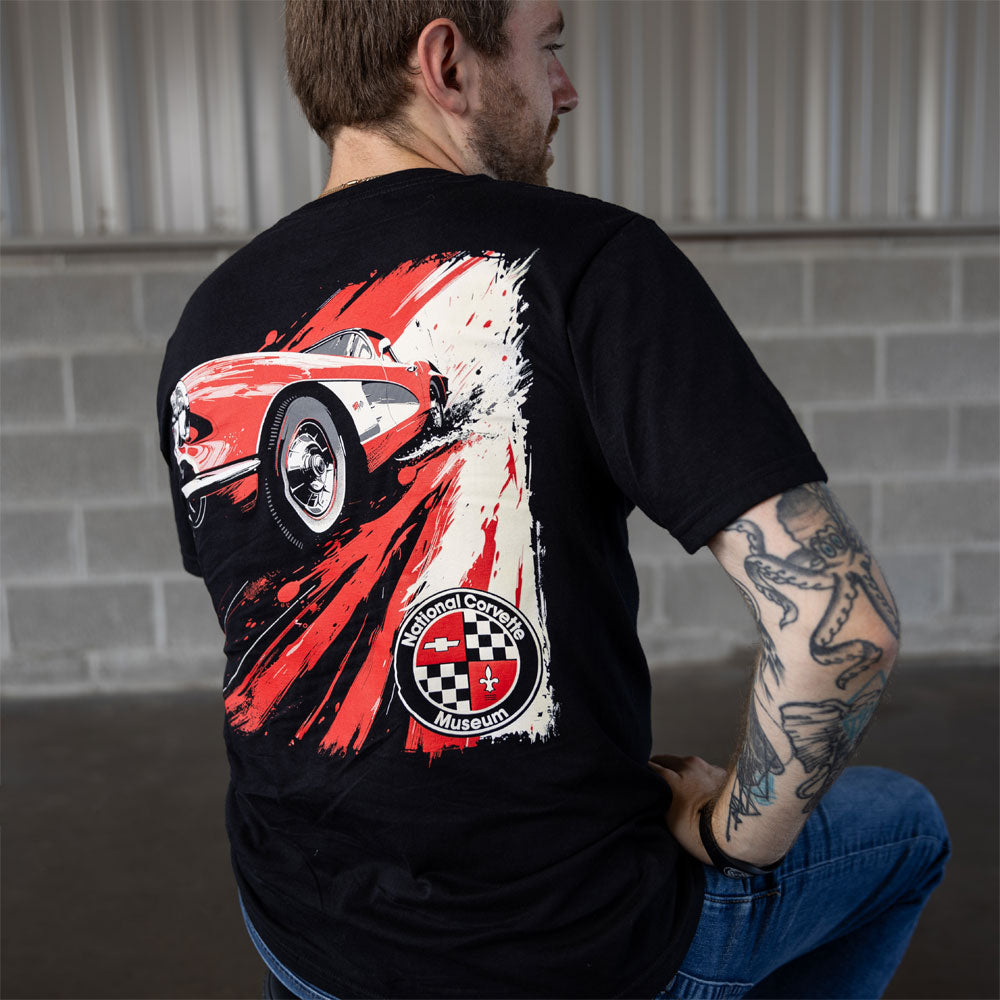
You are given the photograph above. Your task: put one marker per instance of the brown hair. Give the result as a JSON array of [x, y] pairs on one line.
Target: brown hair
[[347, 59]]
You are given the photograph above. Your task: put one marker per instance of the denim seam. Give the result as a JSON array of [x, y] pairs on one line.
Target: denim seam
[[764, 894], [853, 854], [714, 982]]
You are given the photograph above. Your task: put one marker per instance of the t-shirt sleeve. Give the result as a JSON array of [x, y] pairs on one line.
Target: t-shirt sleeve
[[692, 430]]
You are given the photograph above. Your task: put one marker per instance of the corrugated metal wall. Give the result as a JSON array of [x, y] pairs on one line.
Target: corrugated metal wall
[[125, 117]]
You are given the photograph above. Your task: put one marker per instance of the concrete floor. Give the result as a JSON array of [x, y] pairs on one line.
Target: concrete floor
[[116, 877]]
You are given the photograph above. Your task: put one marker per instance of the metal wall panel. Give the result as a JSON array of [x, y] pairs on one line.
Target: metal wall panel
[[138, 117]]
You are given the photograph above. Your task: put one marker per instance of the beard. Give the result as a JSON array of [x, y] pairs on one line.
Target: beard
[[510, 146]]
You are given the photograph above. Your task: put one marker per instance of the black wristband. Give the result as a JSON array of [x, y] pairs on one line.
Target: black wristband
[[730, 867]]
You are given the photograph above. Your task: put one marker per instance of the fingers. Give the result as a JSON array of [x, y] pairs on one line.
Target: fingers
[[664, 772], [668, 760], [681, 764]]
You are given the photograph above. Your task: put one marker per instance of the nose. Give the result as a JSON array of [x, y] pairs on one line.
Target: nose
[[564, 95]]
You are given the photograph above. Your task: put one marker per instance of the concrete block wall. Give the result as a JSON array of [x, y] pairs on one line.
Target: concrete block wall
[[94, 594], [887, 349]]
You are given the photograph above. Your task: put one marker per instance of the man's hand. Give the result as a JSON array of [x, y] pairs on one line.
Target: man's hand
[[694, 782]]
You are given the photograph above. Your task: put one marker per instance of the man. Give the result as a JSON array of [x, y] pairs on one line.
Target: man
[[405, 427]]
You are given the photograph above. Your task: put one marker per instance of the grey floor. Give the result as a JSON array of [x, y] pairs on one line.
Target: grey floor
[[115, 872]]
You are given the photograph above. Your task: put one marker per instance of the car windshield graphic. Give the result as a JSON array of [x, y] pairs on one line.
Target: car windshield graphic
[[347, 344]]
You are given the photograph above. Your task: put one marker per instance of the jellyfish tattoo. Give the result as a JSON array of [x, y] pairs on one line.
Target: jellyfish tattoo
[[830, 557]]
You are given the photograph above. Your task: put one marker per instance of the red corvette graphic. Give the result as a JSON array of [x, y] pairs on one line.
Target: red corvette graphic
[[300, 428], [322, 430]]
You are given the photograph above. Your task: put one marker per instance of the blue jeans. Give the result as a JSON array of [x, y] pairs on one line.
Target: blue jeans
[[836, 916], [832, 921], [284, 975]]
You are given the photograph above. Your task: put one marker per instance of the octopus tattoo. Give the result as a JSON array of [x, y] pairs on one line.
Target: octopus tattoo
[[831, 556]]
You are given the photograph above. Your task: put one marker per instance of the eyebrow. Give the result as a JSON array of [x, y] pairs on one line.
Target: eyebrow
[[555, 28]]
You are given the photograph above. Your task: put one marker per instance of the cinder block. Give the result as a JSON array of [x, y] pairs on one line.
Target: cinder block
[[66, 309], [917, 581], [703, 595], [820, 369], [80, 616], [977, 583], [930, 512], [117, 386], [71, 465], [31, 391], [36, 543], [943, 366], [756, 294], [882, 440], [981, 288], [877, 290], [159, 475], [979, 435], [151, 670], [191, 621], [667, 645], [648, 542], [34, 672], [949, 639], [131, 539], [152, 260], [856, 499], [164, 296]]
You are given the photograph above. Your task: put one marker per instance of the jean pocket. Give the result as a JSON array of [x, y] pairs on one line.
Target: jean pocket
[[685, 987]]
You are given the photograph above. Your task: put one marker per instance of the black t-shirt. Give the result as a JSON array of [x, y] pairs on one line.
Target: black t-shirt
[[405, 427]]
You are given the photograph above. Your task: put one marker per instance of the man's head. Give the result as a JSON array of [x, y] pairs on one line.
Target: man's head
[[480, 74]]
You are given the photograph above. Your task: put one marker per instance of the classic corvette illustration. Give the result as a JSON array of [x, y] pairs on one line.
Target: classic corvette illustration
[[300, 429]]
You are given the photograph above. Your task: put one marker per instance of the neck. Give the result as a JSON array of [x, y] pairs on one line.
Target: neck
[[358, 156]]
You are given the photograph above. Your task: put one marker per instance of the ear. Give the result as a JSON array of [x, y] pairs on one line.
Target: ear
[[447, 65]]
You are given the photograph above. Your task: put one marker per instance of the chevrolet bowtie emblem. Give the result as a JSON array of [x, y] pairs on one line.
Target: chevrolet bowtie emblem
[[440, 644]]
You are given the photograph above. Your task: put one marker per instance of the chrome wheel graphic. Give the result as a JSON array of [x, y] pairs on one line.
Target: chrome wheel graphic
[[310, 469], [306, 474]]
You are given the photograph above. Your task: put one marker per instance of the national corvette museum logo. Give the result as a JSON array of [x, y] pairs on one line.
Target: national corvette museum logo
[[466, 662]]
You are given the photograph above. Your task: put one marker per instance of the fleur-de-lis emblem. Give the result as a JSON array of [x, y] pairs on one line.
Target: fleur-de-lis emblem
[[489, 681]]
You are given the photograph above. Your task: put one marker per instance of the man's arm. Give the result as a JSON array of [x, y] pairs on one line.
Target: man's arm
[[829, 633]]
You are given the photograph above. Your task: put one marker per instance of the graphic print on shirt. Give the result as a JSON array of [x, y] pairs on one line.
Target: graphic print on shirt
[[384, 437]]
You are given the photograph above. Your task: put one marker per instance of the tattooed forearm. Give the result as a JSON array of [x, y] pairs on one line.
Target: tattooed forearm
[[768, 661], [831, 557], [824, 734], [755, 770]]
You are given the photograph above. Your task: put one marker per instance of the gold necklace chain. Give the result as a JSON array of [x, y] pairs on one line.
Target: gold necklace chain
[[347, 184]]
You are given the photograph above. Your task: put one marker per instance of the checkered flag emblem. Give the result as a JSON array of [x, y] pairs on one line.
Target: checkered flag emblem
[[466, 662], [447, 684], [485, 639]]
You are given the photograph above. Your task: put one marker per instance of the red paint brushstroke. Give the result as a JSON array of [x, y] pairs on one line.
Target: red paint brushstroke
[[478, 576], [511, 469], [297, 647], [356, 715], [420, 738], [307, 725], [241, 492]]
